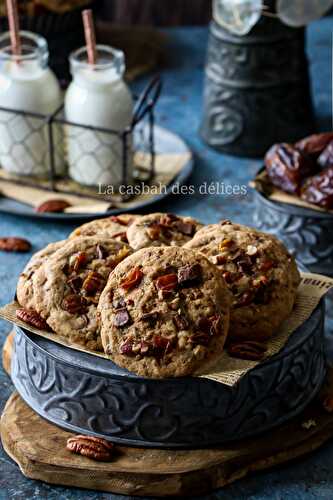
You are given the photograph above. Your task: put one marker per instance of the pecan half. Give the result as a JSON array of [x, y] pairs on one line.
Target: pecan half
[[74, 304], [32, 318], [13, 244], [249, 350], [189, 275], [93, 283], [91, 447], [132, 279], [53, 206]]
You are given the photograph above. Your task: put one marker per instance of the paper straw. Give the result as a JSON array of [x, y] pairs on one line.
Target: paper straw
[[14, 28], [89, 33]]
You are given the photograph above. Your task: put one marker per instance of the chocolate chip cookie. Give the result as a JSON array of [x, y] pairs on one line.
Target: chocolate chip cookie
[[164, 312], [260, 273], [112, 227], [67, 287], [161, 229], [24, 291]]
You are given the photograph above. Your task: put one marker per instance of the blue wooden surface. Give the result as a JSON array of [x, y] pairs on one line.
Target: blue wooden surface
[[179, 109]]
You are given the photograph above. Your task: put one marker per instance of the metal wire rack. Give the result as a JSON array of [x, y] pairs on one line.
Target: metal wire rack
[[33, 148]]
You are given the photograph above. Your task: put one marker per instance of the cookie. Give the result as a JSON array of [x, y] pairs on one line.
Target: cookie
[[112, 227], [260, 273], [161, 229], [24, 291], [164, 313], [67, 287]]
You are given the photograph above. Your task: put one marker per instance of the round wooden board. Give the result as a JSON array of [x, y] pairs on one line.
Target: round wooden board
[[39, 448]]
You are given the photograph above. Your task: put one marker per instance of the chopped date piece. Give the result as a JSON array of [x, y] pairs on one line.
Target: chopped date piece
[[74, 304], [220, 260], [314, 144], [319, 189], [93, 283], [132, 279], [210, 326], [150, 317], [231, 277], [79, 261], [75, 283], [325, 160], [226, 243], [161, 345], [186, 228], [13, 244], [180, 322], [167, 283], [121, 318], [32, 318], [266, 265], [154, 232], [189, 275], [168, 220], [126, 348], [119, 303], [287, 167], [101, 252]]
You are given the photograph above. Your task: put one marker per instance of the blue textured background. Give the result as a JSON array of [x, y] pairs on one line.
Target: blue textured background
[[179, 109]]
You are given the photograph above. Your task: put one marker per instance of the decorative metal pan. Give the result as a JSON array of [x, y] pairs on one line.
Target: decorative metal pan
[[307, 233], [91, 395]]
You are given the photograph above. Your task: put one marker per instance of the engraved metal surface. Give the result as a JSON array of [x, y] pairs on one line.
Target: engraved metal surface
[[307, 234], [91, 395]]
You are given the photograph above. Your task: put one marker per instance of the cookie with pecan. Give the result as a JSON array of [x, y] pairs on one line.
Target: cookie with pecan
[[260, 273], [164, 313], [114, 227], [67, 287], [161, 229], [24, 291]]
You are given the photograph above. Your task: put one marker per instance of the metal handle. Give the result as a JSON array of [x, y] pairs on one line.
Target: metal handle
[[147, 99]]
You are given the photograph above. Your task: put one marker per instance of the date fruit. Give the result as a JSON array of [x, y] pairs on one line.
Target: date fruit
[[13, 244], [319, 189], [287, 167], [314, 144], [91, 447], [53, 206], [325, 160]]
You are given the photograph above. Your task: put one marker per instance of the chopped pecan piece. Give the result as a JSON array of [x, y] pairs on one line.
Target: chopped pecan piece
[[266, 265], [150, 317], [167, 282], [93, 283], [118, 219], [91, 447], [132, 279], [220, 260], [121, 318], [189, 275], [79, 261], [225, 222], [226, 243], [210, 326], [249, 350], [13, 244], [74, 304], [245, 299], [154, 232], [32, 318], [160, 346]]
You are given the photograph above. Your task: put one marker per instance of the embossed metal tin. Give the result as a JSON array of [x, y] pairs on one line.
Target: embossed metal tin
[[307, 233], [256, 90], [90, 395]]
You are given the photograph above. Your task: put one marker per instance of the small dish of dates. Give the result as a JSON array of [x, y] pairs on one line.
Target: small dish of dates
[[294, 199], [304, 169]]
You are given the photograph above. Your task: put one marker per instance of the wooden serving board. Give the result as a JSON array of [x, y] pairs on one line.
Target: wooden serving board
[[39, 448]]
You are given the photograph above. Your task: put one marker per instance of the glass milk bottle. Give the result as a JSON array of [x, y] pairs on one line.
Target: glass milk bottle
[[98, 97], [27, 84]]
